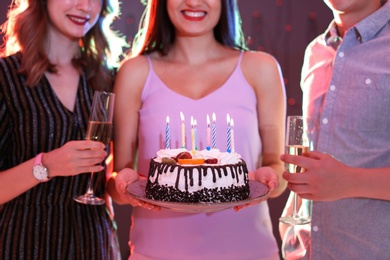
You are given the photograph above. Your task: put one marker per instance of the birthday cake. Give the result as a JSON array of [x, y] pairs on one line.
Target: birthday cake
[[178, 175]]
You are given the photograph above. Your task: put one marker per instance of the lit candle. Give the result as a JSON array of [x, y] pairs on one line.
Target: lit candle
[[183, 134], [214, 133], [167, 135], [228, 134], [208, 133], [232, 134], [195, 135], [192, 135]]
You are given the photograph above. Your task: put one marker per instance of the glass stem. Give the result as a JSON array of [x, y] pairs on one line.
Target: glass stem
[[90, 187], [295, 210]]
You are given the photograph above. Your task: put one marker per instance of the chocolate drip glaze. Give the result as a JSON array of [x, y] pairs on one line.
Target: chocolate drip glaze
[[160, 192]]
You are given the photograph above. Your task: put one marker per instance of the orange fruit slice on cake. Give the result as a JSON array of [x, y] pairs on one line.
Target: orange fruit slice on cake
[[191, 161]]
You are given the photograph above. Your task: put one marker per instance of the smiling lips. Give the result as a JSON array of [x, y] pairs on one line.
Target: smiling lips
[[194, 15], [78, 19]]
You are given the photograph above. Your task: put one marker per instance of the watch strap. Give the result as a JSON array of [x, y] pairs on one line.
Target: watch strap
[[38, 164], [38, 159]]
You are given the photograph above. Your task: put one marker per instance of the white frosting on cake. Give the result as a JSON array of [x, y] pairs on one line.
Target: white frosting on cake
[[222, 180], [170, 178]]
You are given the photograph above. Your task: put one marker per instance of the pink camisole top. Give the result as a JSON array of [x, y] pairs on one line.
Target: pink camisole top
[[226, 234]]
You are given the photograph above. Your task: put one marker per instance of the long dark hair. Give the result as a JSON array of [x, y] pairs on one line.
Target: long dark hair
[[26, 31], [157, 32]]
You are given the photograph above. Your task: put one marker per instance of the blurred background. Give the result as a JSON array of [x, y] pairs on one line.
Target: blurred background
[[282, 28]]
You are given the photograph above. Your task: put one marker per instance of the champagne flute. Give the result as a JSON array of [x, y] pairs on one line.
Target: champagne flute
[[99, 129], [299, 141]]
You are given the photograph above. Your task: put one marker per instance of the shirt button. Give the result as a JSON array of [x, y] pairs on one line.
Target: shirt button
[[332, 87], [341, 54], [315, 228], [368, 81], [325, 121]]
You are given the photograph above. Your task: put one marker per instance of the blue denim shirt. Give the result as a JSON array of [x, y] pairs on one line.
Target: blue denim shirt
[[346, 87]]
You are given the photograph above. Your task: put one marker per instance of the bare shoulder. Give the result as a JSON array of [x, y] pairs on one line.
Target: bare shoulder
[[135, 66], [258, 61], [260, 69], [132, 74]]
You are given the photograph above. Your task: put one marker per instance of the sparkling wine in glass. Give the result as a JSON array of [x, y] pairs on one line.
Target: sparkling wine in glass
[[299, 141], [99, 129]]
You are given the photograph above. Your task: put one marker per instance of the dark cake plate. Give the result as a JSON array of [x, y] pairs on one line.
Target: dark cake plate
[[258, 192]]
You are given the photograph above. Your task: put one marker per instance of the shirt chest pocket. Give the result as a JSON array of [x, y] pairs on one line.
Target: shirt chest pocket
[[364, 103]]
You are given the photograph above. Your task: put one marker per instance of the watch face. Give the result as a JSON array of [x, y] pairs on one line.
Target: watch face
[[40, 172]]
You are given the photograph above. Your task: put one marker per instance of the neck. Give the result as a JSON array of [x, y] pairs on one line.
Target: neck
[[346, 19], [194, 50], [61, 50]]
